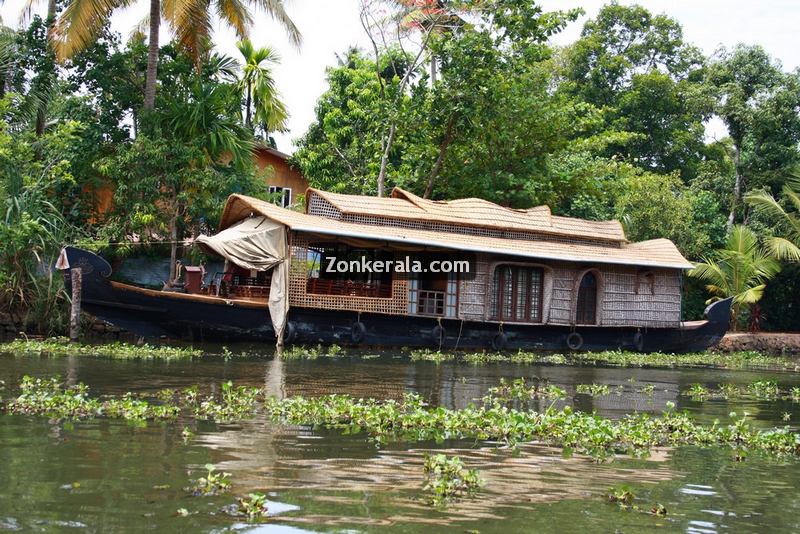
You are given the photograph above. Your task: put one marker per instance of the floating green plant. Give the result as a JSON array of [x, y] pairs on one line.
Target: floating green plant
[[621, 495], [446, 478], [253, 507], [312, 352], [212, 483], [123, 351], [235, 402], [593, 390], [617, 358], [435, 356], [412, 419]]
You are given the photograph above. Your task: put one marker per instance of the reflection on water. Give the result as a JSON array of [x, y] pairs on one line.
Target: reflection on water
[[110, 475]]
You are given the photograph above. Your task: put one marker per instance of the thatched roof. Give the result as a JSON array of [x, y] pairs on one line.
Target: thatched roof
[[472, 212], [653, 253]]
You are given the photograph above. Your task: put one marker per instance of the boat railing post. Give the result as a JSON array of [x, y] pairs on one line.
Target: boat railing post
[[75, 309]]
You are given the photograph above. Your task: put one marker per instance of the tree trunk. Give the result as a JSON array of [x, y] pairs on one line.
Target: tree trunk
[[152, 56], [385, 160], [173, 248], [433, 69], [75, 309], [737, 186], [41, 112], [437, 166], [248, 121]]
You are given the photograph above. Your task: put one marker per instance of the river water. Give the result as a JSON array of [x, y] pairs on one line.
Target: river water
[[117, 476]]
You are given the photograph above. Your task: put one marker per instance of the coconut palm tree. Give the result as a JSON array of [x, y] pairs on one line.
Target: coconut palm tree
[[262, 101], [740, 270], [786, 245], [81, 20]]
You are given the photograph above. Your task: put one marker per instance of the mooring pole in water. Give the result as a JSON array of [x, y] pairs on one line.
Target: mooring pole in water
[[75, 310]]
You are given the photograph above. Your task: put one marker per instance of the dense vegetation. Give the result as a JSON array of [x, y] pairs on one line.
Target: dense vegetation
[[102, 140]]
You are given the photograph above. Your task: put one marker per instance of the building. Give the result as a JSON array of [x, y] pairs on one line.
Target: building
[[283, 178]]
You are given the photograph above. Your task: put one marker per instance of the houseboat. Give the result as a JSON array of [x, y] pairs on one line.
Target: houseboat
[[528, 280]]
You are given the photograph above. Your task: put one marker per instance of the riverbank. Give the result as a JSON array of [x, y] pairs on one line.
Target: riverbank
[[771, 342]]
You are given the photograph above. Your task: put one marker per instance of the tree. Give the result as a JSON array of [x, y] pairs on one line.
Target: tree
[[257, 85], [740, 270], [340, 151], [636, 68], [81, 21], [653, 206], [785, 245], [760, 105], [32, 227]]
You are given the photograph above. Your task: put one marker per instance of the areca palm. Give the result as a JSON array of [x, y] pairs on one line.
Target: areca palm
[[257, 85], [740, 270], [785, 246], [189, 19]]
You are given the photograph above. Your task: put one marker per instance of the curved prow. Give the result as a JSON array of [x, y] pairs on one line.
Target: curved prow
[[719, 312], [94, 272]]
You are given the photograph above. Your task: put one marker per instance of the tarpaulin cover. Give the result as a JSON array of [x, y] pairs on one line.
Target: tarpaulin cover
[[260, 244]]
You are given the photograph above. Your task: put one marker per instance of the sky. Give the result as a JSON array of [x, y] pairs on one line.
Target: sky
[[331, 26]]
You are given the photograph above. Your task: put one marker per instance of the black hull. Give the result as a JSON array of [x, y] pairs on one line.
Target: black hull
[[152, 313]]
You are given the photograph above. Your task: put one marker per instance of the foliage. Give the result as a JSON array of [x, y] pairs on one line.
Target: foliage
[[740, 270], [785, 245], [447, 479], [411, 419], [618, 358], [212, 483], [253, 507], [257, 85], [121, 351], [652, 206]]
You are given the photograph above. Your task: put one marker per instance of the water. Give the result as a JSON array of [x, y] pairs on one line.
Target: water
[[111, 475]]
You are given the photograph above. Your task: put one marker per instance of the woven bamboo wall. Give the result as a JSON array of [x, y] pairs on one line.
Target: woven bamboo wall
[[298, 296], [627, 296]]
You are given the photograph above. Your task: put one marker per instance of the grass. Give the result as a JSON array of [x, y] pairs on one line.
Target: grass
[[120, 351]]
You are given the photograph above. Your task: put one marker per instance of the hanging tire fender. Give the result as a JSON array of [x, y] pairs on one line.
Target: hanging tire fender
[[358, 332], [574, 341], [499, 341], [638, 341], [438, 333], [289, 332]]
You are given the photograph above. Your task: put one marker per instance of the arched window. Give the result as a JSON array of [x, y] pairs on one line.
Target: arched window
[[586, 309], [517, 294]]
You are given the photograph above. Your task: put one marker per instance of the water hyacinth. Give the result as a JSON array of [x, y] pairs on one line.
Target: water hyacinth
[[412, 419], [574, 431], [121, 351], [446, 478]]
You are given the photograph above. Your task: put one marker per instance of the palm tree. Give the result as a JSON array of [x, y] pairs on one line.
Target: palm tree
[[787, 245], [739, 270], [190, 20], [262, 101]]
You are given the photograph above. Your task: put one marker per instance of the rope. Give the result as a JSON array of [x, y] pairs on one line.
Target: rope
[[460, 328]]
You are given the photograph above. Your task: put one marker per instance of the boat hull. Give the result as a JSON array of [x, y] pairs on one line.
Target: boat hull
[[175, 315]]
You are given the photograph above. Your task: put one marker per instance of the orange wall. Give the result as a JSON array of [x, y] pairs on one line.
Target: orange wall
[[282, 174]]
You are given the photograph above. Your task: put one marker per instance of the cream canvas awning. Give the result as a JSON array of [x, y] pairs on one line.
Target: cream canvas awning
[[257, 243]]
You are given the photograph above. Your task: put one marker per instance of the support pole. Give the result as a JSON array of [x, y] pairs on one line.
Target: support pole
[[75, 310]]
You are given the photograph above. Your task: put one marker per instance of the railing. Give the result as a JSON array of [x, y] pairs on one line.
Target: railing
[[234, 285], [321, 286], [430, 302]]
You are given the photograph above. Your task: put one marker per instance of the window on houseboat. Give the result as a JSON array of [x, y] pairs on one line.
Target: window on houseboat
[[586, 310], [517, 294], [433, 294], [352, 282]]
